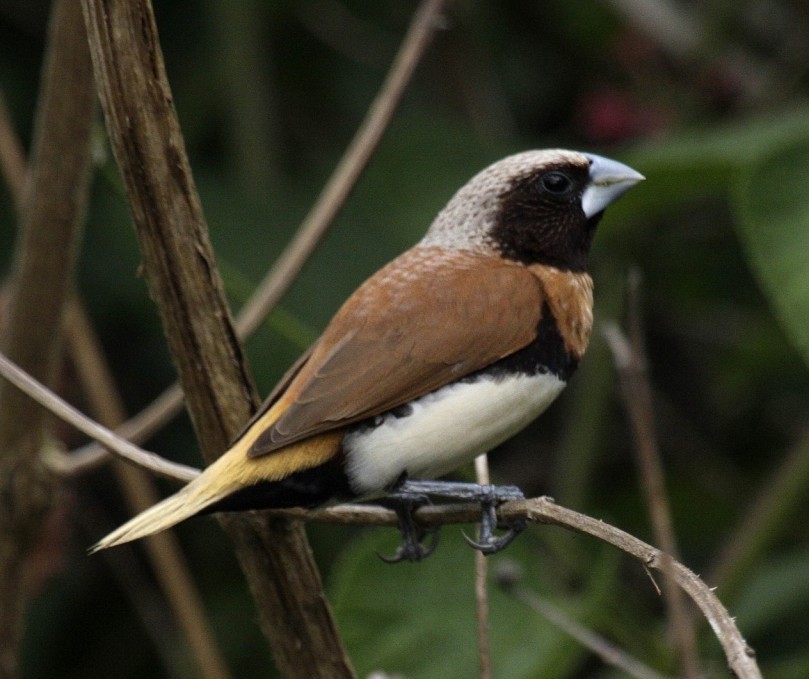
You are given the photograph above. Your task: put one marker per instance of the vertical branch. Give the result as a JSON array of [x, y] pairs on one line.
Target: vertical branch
[[182, 278], [630, 361], [12, 156], [179, 263], [314, 226], [52, 214], [481, 588]]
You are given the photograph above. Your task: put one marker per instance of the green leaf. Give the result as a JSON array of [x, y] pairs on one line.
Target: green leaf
[[419, 619], [699, 163], [777, 590], [773, 223]]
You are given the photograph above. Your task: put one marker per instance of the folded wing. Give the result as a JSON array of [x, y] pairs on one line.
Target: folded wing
[[427, 319]]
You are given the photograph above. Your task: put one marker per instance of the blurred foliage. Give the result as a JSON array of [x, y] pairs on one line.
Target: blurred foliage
[[708, 100]]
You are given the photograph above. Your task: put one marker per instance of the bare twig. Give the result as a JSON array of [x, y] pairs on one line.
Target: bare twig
[[481, 586], [630, 361], [123, 448], [740, 657], [342, 181], [508, 576], [135, 430], [312, 229]]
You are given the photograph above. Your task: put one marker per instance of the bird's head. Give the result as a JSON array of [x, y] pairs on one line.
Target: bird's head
[[534, 207]]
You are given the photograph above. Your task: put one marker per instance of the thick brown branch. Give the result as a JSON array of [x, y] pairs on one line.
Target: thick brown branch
[[182, 277], [314, 226], [52, 215]]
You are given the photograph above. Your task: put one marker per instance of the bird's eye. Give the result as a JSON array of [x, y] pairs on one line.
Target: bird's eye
[[556, 183]]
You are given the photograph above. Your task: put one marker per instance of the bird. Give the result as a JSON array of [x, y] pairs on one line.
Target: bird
[[444, 353]]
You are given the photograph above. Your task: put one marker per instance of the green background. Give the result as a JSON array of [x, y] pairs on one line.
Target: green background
[[269, 93]]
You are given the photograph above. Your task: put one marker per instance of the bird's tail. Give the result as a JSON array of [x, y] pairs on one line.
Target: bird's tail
[[232, 472], [189, 501]]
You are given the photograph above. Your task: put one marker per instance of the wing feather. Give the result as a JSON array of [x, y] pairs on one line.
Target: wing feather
[[470, 310]]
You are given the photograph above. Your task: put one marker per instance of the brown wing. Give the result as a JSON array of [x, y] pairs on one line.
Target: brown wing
[[426, 319], [276, 392]]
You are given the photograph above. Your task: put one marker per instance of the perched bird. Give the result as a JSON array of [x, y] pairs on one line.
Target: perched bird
[[440, 356]]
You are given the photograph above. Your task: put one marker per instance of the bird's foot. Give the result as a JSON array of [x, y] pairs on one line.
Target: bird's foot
[[413, 547], [408, 495], [488, 542]]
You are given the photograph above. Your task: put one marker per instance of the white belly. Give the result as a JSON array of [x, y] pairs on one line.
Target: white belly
[[446, 429]]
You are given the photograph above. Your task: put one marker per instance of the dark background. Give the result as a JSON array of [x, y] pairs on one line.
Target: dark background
[[707, 99]]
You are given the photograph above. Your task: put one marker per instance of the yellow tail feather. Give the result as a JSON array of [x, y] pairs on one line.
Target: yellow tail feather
[[230, 473], [159, 517], [187, 502]]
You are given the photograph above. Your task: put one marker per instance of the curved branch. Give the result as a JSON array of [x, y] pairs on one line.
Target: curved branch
[[356, 157], [123, 448], [740, 657]]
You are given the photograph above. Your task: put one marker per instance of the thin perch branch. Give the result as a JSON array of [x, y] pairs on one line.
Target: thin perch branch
[[543, 510]]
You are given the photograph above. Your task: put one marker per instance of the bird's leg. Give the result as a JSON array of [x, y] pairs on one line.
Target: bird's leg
[[488, 542], [410, 494], [412, 548]]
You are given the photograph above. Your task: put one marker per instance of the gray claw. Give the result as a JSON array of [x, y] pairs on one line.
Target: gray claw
[[407, 495], [491, 544], [413, 550]]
